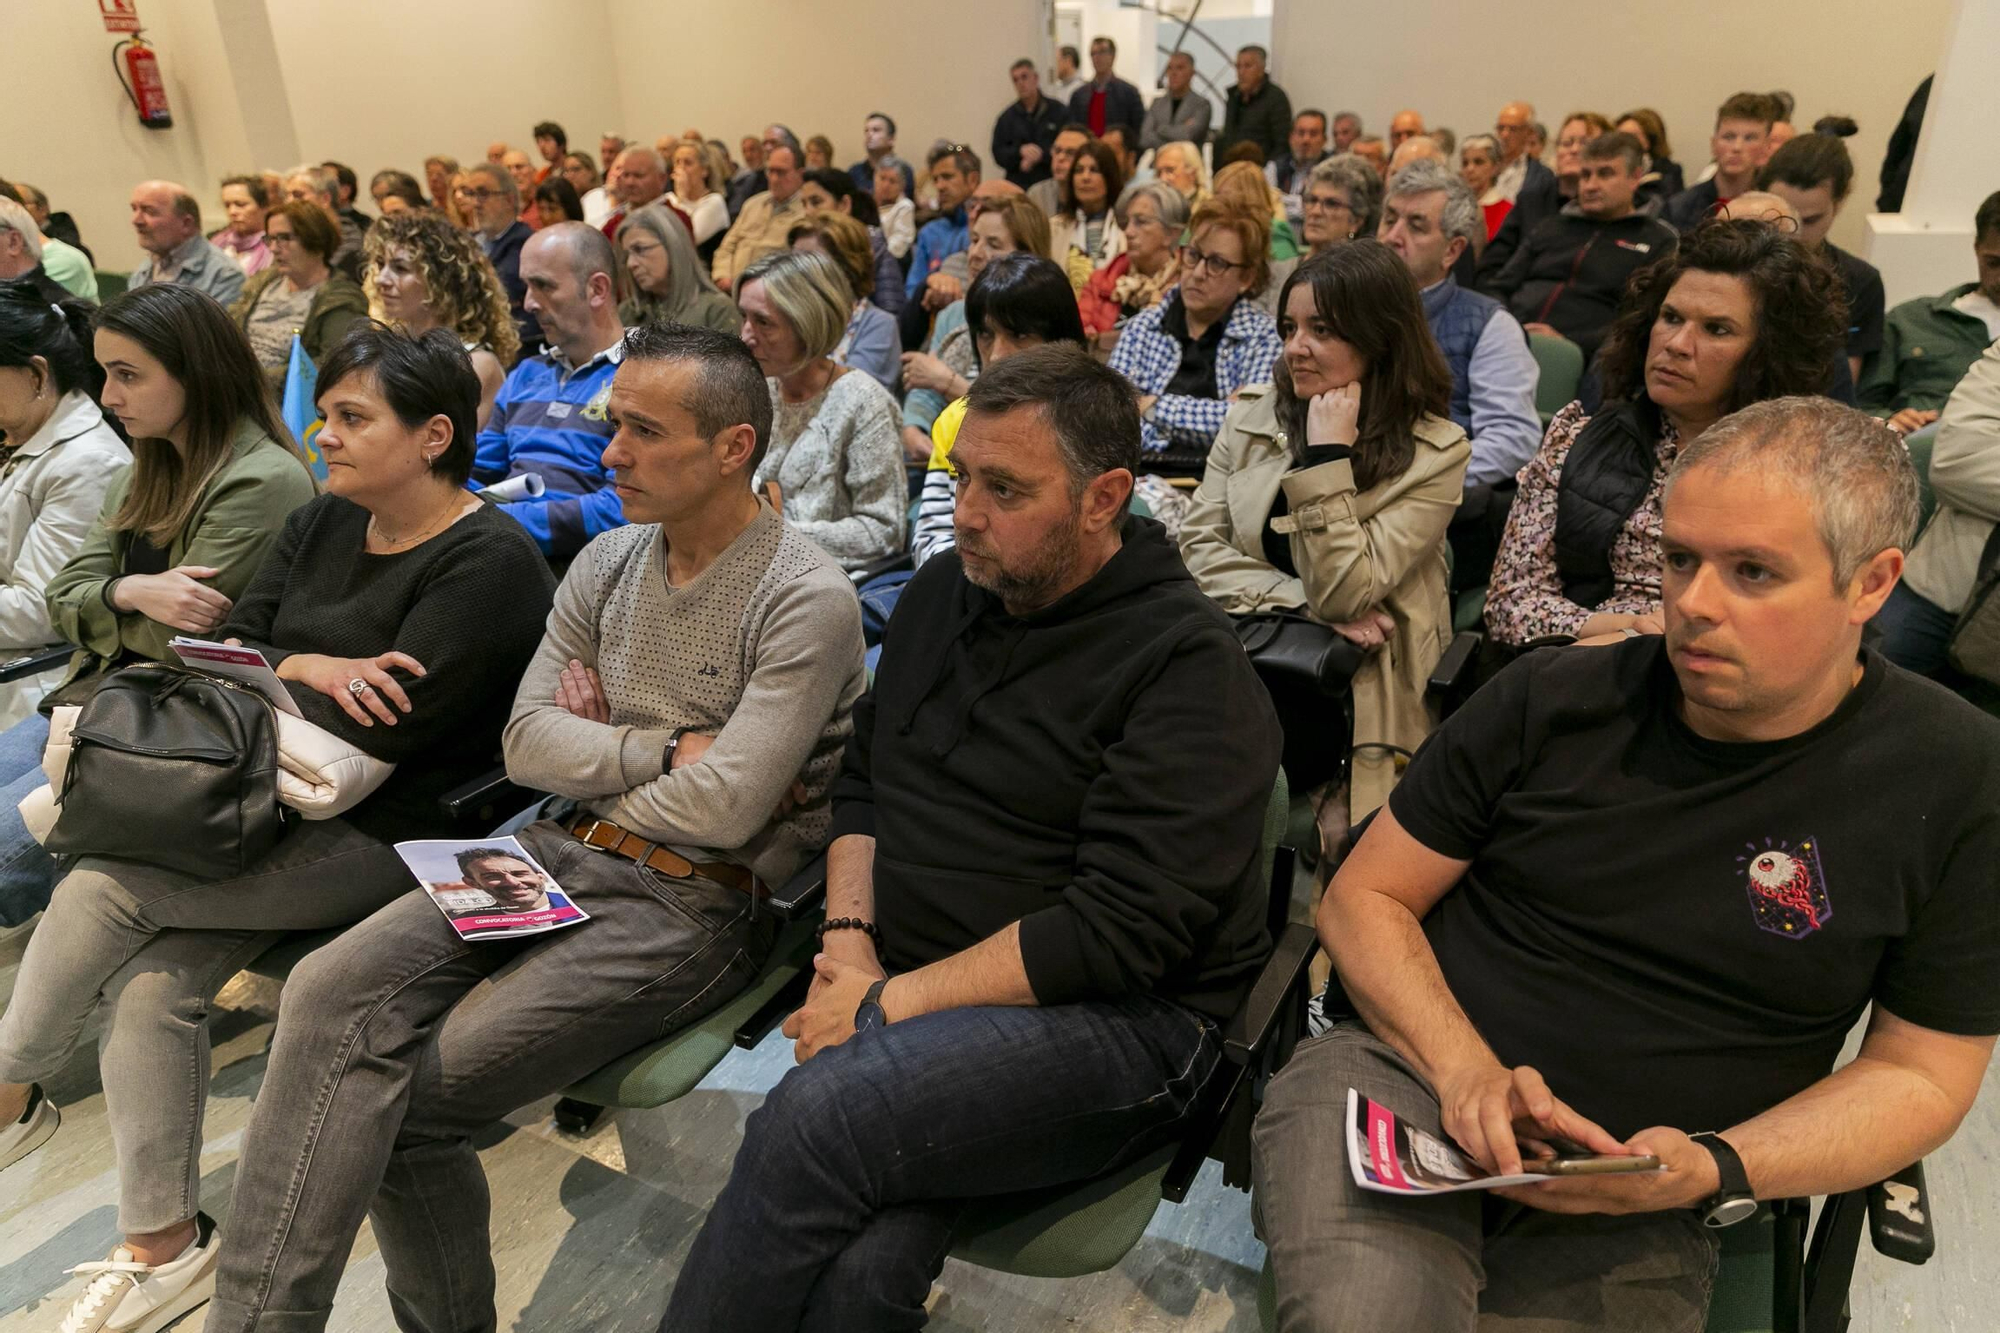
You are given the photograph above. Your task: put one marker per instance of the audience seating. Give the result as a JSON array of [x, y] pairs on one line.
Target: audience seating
[[35, 663], [1074, 1230], [1560, 362], [111, 284]]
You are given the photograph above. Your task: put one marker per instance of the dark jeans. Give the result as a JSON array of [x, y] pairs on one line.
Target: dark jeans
[[852, 1174], [1345, 1258], [397, 1041], [1915, 631]]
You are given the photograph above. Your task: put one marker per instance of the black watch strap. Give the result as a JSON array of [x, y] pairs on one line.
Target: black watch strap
[[872, 1000], [1734, 1200]]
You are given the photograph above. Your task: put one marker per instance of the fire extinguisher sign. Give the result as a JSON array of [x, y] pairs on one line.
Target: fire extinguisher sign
[[119, 15]]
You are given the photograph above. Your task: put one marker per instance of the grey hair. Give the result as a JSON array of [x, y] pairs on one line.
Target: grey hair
[[1486, 141], [1461, 216], [1192, 153], [651, 154], [1854, 471], [687, 276], [590, 251], [1354, 116], [1357, 176], [323, 180], [17, 219], [1173, 205], [500, 176], [810, 292]]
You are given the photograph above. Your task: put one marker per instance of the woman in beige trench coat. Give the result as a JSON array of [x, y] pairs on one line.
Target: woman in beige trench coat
[[1328, 493]]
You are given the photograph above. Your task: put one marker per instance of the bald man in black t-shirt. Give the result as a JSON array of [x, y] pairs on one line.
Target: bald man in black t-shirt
[[1634, 898]]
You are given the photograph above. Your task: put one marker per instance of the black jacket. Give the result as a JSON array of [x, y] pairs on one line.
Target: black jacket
[[1018, 126], [1571, 271], [1691, 207], [1097, 771], [504, 251], [1540, 198], [1122, 106], [1265, 118]]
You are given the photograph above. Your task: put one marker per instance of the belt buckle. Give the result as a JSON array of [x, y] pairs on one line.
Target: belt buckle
[[1311, 518], [587, 834]]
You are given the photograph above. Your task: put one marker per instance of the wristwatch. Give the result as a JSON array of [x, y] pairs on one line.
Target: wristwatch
[[673, 748], [1733, 1202], [868, 1014]]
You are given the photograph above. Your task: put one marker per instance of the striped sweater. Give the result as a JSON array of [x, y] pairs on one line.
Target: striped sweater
[[550, 420]]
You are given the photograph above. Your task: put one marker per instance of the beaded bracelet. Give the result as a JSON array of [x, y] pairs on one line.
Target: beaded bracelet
[[867, 928]]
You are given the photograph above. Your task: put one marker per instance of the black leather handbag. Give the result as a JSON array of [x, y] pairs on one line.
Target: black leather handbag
[[1308, 669], [172, 768]]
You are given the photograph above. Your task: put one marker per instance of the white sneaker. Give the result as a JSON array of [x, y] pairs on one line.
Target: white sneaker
[[125, 1296], [20, 1137]]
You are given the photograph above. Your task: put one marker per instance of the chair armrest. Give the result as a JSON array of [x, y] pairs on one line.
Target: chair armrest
[[804, 892], [1454, 670], [34, 663], [488, 792], [1899, 1216], [874, 569], [1283, 973]]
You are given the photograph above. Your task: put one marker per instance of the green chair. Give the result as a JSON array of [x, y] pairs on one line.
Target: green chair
[[669, 1069], [1560, 362], [111, 284], [1074, 1230]]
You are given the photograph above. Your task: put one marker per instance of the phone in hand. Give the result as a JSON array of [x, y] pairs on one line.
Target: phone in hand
[[1589, 1164]]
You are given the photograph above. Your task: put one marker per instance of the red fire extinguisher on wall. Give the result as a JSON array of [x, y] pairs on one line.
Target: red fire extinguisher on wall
[[140, 74]]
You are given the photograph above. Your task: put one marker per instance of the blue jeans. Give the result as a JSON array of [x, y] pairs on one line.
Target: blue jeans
[[840, 1207], [1915, 631], [878, 602], [27, 873]]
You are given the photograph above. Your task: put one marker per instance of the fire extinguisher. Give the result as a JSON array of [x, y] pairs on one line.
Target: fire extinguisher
[[140, 76]]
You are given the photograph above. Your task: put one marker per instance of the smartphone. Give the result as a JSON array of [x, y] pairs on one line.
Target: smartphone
[[1588, 1165]]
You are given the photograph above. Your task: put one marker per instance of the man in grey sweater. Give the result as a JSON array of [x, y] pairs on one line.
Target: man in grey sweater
[[690, 699]]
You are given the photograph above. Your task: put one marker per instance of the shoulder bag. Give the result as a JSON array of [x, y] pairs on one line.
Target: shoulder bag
[[172, 768], [1308, 670]]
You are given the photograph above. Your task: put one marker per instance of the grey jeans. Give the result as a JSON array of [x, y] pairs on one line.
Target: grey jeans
[[398, 1041], [153, 946], [1348, 1258]]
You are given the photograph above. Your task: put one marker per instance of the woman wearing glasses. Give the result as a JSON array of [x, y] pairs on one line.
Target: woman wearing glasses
[[300, 293], [1205, 340]]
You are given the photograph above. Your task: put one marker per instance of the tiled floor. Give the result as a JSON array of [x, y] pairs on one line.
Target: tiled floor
[[589, 1232]]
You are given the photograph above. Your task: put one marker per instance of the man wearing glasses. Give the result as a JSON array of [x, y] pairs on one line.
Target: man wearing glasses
[[489, 194], [1514, 127]]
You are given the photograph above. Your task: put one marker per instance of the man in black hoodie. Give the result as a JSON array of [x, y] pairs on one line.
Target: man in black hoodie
[[1569, 275], [1047, 838]]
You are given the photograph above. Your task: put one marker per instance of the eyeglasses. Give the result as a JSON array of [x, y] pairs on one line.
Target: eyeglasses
[[1327, 202], [1216, 266], [279, 237], [466, 192]]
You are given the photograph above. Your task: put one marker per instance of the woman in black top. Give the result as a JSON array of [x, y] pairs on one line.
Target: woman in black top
[[402, 612]]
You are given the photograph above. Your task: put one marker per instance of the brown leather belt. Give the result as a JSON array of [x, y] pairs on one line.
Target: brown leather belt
[[606, 836]]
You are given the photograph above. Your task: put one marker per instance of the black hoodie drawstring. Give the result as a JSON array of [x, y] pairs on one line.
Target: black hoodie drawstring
[[962, 723], [966, 622]]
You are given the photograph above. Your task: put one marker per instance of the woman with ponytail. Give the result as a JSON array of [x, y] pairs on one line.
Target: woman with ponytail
[[58, 457]]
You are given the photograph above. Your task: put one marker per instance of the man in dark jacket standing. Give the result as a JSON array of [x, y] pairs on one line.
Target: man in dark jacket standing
[[1566, 279], [1255, 108], [1027, 129], [1046, 836], [1107, 99]]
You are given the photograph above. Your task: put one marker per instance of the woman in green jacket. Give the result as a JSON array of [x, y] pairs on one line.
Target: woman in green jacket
[[300, 293], [214, 473]]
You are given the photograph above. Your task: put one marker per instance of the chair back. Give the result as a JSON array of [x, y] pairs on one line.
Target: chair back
[[1920, 444], [1560, 362]]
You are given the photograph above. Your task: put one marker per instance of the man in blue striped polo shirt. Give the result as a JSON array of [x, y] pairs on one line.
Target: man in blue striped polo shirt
[[549, 422]]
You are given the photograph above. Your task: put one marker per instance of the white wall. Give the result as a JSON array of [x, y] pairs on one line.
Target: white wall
[[381, 83], [728, 69], [1458, 61], [384, 82]]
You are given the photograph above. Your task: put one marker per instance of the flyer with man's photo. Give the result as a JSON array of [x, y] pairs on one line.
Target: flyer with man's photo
[[489, 888]]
